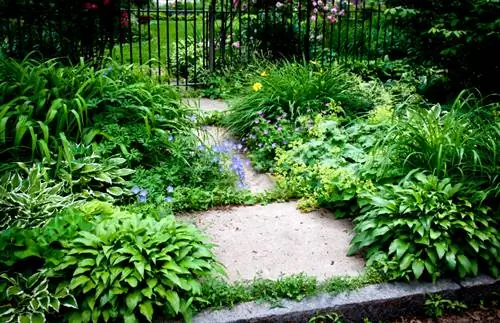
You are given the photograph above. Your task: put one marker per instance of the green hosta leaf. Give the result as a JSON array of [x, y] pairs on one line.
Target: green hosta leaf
[[464, 265], [399, 246], [115, 191], [130, 318], [24, 319], [173, 300], [37, 318], [418, 268], [406, 261], [146, 309], [103, 177], [133, 299], [140, 268], [14, 290], [132, 281], [441, 249], [77, 281]]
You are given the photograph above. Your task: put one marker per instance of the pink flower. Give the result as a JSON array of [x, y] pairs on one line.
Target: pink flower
[[236, 44], [313, 18], [279, 4], [315, 4]]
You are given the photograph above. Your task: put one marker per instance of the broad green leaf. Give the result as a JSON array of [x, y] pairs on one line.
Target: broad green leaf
[[173, 300], [441, 249], [132, 281], [77, 281], [146, 309], [130, 318], [418, 268], [133, 299], [115, 191]]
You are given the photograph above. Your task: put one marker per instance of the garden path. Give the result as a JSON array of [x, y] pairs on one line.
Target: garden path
[[271, 240]]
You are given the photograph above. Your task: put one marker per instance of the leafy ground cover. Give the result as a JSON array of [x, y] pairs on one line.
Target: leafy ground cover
[[94, 163], [97, 160], [419, 180]]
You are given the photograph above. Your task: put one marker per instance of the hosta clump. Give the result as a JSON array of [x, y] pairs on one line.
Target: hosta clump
[[92, 175], [427, 228], [31, 299], [133, 267], [28, 198]]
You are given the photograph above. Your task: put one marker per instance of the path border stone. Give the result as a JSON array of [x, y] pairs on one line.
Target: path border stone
[[379, 302]]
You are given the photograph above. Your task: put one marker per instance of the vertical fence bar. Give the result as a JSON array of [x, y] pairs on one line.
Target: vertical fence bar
[[158, 39], [139, 20], [186, 44], [355, 38], [323, 38], [129, 13], [148, 20], [120, 30], [299, 26], [307, 44], [370, 26], [378, 30], [211, 35], [204, 34], [248, 31], [348, 14], [176, 43], [168, 42], [240, 40], [339, 33], [363, 19], [195, 27]]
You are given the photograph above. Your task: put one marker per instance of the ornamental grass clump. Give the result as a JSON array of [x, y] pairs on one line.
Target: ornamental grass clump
[[297, 89]]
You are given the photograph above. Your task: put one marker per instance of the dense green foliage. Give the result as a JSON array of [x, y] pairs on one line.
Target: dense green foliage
[[461, 36], [296, 90], [442, 222]]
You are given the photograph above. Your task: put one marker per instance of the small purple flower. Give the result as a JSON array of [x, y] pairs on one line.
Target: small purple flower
[[171, 138], [192, 117], [170, 189], [266, 132], [260, 113], [285, 142], [239, 146], [279, 128], [243, 139], [169, 199], [135, 190], [201, 148], [257, 121], [142, 199]]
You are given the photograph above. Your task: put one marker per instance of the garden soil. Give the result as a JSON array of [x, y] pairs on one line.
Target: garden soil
[[269, 241]]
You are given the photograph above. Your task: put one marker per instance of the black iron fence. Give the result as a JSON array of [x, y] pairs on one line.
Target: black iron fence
[[183, 40]]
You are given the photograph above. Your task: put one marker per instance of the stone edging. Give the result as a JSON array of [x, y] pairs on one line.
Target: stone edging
[[375, 302]]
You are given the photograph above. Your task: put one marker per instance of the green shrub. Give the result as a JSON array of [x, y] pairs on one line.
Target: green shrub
[[133, 267], [296, 90], [428, 228]]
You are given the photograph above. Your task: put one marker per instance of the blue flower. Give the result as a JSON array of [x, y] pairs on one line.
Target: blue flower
[[142, 199], [171, 138], [169, 199], [201, 148], [170, 189], [135, 190], [192, 118], [143, 193]]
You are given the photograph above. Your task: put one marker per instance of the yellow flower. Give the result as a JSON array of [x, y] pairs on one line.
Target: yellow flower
[[257, 86], [264, 73]]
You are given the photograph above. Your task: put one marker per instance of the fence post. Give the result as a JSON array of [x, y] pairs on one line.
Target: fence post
[[211, 36]]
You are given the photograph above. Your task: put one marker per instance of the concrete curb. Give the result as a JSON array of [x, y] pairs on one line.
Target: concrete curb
[[375, 302]]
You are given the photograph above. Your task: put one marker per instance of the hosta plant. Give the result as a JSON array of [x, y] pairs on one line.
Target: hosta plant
[[28, 198], [31, 299], [86, 172], [427, 228], [134, 268]]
